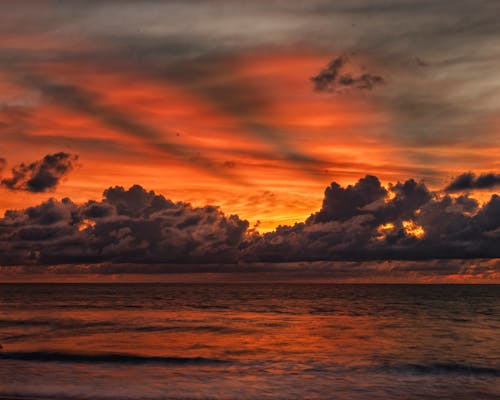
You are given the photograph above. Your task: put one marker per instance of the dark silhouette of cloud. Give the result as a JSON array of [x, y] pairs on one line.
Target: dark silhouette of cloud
[[342, 204], [366, 221], [470, 181], [39, 176], [333, 79], [126, 226], [329, 75], [363, 221]]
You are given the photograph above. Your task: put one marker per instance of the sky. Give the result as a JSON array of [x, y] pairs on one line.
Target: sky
[[263, 131]]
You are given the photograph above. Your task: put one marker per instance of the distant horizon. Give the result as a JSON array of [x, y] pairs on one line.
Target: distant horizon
[[363, 232], [252, 200], [380, 272]]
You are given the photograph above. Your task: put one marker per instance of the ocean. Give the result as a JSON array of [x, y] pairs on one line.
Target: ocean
[[249, 341]]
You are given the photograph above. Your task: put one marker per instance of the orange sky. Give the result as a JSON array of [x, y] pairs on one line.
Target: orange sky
[[254, 107], [225, 162]]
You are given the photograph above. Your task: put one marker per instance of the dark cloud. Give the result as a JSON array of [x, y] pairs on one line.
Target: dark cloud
[[470, 181], [364, 221], [329, 75], [437, 270], [363, 81], [131, 225], [342, 204], [333, 79], [39, 176]]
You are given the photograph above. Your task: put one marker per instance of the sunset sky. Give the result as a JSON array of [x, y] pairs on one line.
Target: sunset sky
[[255, 107]]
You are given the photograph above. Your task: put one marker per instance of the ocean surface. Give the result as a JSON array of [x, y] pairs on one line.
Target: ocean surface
[[249, 341]]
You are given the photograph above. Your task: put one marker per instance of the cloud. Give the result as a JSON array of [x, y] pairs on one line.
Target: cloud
[[425, 106], [360, 222], [470, 181], [365, 221], [131, 225], [39, 176], [344, 203], [94, 105], [333, 79], [329, 75], [438, 270]]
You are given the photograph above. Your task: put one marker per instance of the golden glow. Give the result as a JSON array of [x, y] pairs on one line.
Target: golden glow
[[383, 230], [344, 136], [412, 229], [86, 224], [386, 227], [390, 196]]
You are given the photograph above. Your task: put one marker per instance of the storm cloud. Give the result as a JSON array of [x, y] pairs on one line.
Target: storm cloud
[[363, 221], [366, 221], [131, 225], [470, 181], [39, 176]]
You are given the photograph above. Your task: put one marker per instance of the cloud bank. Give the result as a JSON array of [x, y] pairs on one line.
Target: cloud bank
[[364, 221], [469, 181], [126, 226], [39, 176]]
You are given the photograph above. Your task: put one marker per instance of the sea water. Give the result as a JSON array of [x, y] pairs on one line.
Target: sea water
[[249, 341]]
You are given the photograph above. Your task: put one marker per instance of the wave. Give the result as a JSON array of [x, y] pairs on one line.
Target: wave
[[119, 358], [441, 369]]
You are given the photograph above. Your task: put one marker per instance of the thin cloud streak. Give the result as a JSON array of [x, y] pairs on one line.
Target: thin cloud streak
[[90, 103]]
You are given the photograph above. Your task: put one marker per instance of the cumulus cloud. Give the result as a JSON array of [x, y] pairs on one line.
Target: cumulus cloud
[[344, 203], [131, 225], [366, 221], [359, 222], [470, 181], [39, 176], [332, 78]]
